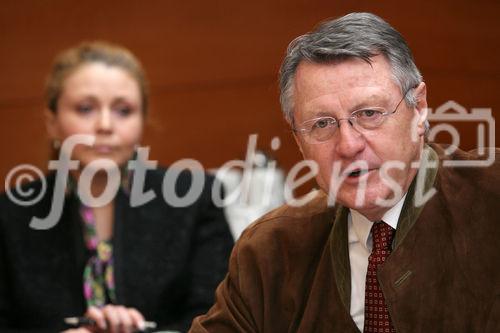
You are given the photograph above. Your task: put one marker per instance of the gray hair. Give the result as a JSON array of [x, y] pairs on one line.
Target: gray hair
[[356, 35]]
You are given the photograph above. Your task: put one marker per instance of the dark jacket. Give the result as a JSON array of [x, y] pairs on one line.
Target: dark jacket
[[167, 261], [290, 272]]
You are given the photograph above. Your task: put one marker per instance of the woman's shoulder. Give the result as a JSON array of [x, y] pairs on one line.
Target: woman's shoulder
[[176, 175], [34, 194], [181, 182], [20, 203]]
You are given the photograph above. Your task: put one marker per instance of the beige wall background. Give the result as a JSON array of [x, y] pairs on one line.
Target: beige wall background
[[213, 65]]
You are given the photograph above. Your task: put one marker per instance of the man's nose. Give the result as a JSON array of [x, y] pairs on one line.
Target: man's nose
[[350, 142]]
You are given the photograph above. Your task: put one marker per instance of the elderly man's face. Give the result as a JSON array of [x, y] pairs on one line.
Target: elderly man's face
[[338, 89]]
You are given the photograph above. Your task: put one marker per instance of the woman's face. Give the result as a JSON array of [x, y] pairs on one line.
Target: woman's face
[[102, 101]]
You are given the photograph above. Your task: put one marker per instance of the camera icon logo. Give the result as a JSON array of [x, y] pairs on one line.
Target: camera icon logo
[[452, 112]]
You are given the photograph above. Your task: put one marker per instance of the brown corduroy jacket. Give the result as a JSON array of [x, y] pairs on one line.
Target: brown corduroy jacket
[[290, 271]]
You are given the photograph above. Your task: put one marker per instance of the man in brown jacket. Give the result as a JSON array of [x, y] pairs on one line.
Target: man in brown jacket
[[399, 238]]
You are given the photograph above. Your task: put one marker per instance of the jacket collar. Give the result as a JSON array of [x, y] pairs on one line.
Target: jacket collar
[[423, 183], [338, 240]]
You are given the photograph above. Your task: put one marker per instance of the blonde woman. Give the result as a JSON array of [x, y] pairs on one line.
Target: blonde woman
[[115, 263]]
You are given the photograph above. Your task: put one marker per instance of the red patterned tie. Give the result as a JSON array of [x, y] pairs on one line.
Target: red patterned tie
[[377, 318]]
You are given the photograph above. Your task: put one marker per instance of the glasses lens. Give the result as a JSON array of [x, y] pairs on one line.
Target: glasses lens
[[369, 118], [322, 129]]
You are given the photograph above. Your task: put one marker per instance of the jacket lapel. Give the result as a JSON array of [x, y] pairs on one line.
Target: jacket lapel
[[423, 182], [339, 251], [120, 217], [338, 241]]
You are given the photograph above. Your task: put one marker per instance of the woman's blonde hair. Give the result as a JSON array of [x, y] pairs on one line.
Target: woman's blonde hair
[[91, 52]]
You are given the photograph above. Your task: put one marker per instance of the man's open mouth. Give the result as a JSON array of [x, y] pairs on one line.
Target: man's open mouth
[[357, 173]]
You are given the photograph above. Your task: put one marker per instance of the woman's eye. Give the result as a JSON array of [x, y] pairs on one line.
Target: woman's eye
[[124, 111], [84, 108]]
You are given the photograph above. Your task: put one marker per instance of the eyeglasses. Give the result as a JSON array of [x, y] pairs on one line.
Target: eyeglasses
[[321, 129]]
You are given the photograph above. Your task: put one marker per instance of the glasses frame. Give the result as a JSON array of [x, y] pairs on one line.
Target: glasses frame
[[351, 120]]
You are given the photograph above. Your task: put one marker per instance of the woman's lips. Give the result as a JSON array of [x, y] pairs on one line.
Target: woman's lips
[[103, 149]]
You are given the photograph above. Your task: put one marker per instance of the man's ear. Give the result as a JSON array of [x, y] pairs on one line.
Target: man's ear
[[51, 124], [298, 142], [420, 94]]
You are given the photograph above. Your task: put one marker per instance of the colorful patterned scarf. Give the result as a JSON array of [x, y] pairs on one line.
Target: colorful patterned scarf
[[98, 277]]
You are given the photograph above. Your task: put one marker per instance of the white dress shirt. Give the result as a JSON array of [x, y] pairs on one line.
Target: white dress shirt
[[360, 248]]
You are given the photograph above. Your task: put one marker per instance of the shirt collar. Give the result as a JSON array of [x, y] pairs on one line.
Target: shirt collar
[[360, 226]]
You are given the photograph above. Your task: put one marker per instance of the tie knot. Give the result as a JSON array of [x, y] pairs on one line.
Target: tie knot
[[382, 234]]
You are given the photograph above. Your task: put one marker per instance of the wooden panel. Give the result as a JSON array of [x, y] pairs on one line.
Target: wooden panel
[[213, 65]]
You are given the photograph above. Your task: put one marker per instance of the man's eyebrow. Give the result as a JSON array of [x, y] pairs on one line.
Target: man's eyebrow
[[321, 114], [371, 100], [375, 99]]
